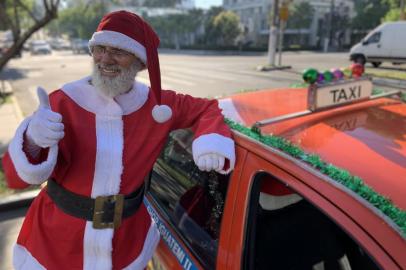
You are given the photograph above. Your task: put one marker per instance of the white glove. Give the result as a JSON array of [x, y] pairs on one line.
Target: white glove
[[208, 162], [45, 128]]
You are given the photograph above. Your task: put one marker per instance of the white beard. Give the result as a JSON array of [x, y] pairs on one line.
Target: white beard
[[115, 86]]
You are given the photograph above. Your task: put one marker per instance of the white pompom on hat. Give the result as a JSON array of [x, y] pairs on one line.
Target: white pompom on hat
[[129, 32]]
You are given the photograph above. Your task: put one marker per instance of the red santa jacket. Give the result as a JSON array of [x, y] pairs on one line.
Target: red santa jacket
[[109, 147]]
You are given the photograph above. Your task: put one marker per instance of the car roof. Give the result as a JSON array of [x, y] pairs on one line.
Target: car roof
[[367, 138]]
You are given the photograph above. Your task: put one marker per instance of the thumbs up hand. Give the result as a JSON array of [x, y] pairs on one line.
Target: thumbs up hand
[[45, 128]]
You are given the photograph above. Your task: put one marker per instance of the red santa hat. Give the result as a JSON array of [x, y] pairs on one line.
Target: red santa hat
[[129, 32]]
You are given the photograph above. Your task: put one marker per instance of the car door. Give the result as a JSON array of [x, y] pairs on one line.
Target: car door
[[291, 224], [398, 52], [374, 47], [187, 205]]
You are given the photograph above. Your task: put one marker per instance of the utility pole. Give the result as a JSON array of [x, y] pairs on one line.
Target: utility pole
[[273, 32], [327, 39], [402, 10], [283, 17]]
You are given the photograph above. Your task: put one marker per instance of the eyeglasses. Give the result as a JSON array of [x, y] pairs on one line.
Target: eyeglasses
[[115, 53]]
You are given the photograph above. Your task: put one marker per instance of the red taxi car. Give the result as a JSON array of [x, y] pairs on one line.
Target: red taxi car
[[319, 183]]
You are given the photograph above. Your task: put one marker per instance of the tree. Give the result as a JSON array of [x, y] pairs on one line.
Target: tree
[[23, 18], [160, 3], [392, 15], [79, 20], [369, 13], [171, 28], [210, 35], [224, 28], [394, 12], [301, 15]]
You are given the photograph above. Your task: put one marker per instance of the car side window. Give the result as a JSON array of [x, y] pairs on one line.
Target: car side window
[[192, 200], [286, 231], [375, 38]]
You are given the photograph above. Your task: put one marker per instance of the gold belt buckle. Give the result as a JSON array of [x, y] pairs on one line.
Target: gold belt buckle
[[98, 211]]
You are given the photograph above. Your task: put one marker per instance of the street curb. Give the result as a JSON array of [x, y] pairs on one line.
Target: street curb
[[17, 109], [14, 101], [12, 202]]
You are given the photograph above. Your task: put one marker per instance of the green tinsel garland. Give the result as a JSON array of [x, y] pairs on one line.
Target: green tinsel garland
[[354, 183]]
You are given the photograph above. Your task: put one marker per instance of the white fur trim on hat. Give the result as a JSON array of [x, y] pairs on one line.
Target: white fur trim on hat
[[214, 143], [33, 174], [120, 41], [161, 113]]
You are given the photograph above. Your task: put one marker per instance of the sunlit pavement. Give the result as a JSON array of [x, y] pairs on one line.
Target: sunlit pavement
[[195, 74]]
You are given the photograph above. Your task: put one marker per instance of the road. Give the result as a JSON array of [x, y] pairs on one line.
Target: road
[[198, 75]]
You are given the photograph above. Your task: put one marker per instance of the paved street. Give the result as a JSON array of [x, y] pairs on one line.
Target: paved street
[[198, 75]]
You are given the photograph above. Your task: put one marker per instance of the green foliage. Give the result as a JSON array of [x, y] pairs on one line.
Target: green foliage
[[79, 21], [227, 24], [23, 18], [176, 23], [223, 28], [341, 176], [171, 28], [160, 3], [301, 15], [210, 32], [4, 190], [369, 13], [12, 9], [392, 15]]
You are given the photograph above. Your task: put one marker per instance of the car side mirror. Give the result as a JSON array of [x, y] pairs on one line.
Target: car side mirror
[[365, 42]]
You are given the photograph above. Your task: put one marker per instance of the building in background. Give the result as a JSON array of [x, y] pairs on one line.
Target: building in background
[[187, 4], [255, 16], [145, 11]]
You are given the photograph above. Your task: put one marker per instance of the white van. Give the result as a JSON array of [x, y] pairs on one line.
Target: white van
[[386, 43]]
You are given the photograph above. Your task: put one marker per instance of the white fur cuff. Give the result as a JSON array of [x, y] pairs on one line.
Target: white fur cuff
[[30, 173], [23, 260], [215, 143]]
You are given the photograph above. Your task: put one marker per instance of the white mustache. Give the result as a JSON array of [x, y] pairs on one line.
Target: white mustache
[[109, 67]]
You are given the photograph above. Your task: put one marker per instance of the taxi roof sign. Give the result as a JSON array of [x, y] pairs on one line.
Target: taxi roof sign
[[326, 96], [338, 93]]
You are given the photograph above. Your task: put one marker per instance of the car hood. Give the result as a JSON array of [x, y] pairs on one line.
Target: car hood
[[368, 138]]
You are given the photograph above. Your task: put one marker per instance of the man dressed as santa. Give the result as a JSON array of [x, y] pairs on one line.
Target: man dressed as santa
[[94, 141]]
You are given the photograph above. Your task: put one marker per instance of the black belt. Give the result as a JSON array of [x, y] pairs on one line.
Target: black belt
[[104, 211]]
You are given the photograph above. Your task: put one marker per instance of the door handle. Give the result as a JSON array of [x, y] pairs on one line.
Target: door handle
[[379, 45]]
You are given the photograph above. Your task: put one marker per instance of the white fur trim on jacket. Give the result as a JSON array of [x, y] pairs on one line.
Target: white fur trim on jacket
[[120, 41], [229, 110], [97, 244], [28, 172], [214, 143], [150, 244], [92, 100], [23, 260]]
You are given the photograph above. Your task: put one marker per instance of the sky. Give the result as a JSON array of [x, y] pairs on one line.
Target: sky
[[207, 3]]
